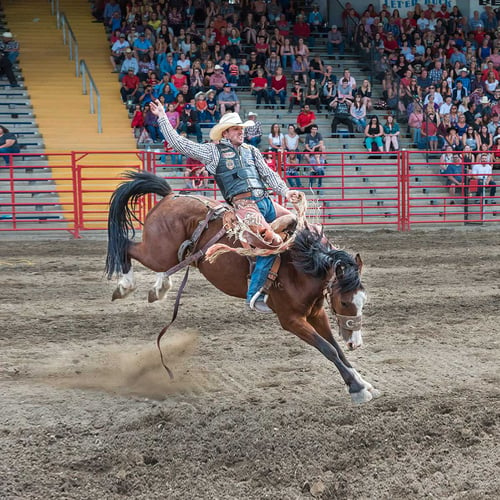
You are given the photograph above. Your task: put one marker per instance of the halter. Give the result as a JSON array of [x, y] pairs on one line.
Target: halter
[[347, 323]]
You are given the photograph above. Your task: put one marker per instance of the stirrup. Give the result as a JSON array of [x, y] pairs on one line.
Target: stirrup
[[260, 305]]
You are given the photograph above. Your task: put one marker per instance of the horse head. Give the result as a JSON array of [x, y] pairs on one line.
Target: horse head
[[341, 275], [347, 296]]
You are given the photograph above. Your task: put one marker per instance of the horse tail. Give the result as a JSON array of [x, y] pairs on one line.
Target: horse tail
[[121, 216]]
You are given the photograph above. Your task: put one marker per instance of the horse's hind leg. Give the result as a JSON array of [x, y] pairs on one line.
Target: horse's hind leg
[[160, 288], [125, 286]]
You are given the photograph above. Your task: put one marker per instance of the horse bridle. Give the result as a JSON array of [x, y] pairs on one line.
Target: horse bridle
[[349, 323]]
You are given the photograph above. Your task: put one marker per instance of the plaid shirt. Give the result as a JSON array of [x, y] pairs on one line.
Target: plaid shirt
[[253, 130], [209, 155]]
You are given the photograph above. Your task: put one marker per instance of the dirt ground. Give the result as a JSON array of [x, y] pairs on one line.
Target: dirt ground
[[86, 412]]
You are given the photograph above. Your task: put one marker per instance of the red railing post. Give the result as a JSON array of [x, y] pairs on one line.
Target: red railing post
[[403, 191], [77, 195]]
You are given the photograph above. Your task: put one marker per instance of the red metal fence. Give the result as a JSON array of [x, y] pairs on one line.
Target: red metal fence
[[71, 191]]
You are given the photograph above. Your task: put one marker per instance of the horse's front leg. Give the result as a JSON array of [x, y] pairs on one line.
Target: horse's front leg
[[125, 286], [160, 288], [319, 321]]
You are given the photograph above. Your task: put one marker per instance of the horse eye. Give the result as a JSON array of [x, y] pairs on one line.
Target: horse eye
[[344, 304]]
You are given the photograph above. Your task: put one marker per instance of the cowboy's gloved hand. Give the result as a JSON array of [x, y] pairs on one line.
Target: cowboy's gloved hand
[[294, 196]]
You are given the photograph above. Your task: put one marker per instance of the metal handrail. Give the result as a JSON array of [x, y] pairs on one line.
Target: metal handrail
[[85, 72], [69, 38]]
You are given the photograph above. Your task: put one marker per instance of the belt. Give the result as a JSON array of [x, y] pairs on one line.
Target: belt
[[247, 195]]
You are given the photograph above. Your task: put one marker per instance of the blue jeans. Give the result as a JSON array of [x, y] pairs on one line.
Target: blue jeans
[[262, 264], [11, 149], [281, 94], [254, 141]]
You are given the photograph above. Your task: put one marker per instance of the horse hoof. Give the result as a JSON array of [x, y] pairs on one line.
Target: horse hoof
[[375, 393], [152, 296], [362, 396], [121, 293]]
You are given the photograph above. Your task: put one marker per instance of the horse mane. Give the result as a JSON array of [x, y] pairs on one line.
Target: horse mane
[[315, 256]]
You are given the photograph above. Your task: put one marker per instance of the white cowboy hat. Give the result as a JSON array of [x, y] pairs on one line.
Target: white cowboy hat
[[7, 34], [227, 121]]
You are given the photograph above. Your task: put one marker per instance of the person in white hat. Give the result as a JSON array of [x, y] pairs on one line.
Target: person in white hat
[[5, 59], [242, 174], [9, 46]]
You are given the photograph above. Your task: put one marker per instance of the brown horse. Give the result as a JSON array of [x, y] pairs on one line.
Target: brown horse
[[310, 271]]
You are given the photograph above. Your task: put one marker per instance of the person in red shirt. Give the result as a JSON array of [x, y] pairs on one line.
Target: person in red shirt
[[130, 87], [485, 72], [259, 87], [390, 44], [278, 87], [305, 120], [301, 29], [178, 78]]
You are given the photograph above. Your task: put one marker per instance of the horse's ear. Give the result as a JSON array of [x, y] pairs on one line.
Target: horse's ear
[[338, 269], [359, 262]]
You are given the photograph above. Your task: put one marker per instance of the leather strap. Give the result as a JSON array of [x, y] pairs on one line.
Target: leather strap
[[272, 275]]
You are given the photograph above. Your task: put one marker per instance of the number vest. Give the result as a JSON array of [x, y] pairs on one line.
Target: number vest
[[236, 172]]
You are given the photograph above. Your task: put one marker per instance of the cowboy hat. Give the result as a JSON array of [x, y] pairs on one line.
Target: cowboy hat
[[227, 121], [7, 34]]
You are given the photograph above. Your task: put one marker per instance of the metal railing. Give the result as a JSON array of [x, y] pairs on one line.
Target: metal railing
[[85, 72], [69, 39]]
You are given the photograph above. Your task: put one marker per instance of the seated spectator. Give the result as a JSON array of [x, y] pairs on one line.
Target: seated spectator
[[130, 88], [452, 170], [415, 120], [300, 68], [365, 91], [276, 139], [292, 170], [228, 100], [312, 95], [358, 113], [373, 135], [129, 63], [272, 64], [429, 131], [315, 19], [195, 175], [142, 46], [345, 90], [147, 96], [316, 170], [471, 138], [212, 110], [335, 41], [341, 114], [452, 139], [173, 116], [306, 119], [189, 122], [200, 104], [292, 140], [118, 52], [8, 144], [317, 69], [151, 125], [391, 134], [218, 79], [253, 133], [278, 88], [259, 87], [243, 70], [313, 142], [297, 96], [287, 53]]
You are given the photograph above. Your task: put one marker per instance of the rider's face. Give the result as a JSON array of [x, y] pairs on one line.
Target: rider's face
[[234, 135]]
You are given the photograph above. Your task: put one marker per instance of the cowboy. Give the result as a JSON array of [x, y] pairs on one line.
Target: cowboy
[[241, 173]]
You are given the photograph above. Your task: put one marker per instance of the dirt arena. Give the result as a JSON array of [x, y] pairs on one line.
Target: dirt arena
[[254, 413]]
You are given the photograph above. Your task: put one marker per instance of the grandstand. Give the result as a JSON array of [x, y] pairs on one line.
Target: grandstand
[[50, 115]]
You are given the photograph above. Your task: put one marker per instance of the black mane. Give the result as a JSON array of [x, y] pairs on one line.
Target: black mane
[[314, 255]]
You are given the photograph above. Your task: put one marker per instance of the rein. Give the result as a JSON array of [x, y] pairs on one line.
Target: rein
[[185, 264]]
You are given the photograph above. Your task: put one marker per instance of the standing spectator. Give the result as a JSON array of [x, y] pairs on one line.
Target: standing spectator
[[391, 131], [137, 122], [253, 133], [335, 41], [228, 100], [276, 139], [259, 87], [9, 46], [373, 135], [341, 108], [306, 119], [8, 144], [483, 171]]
